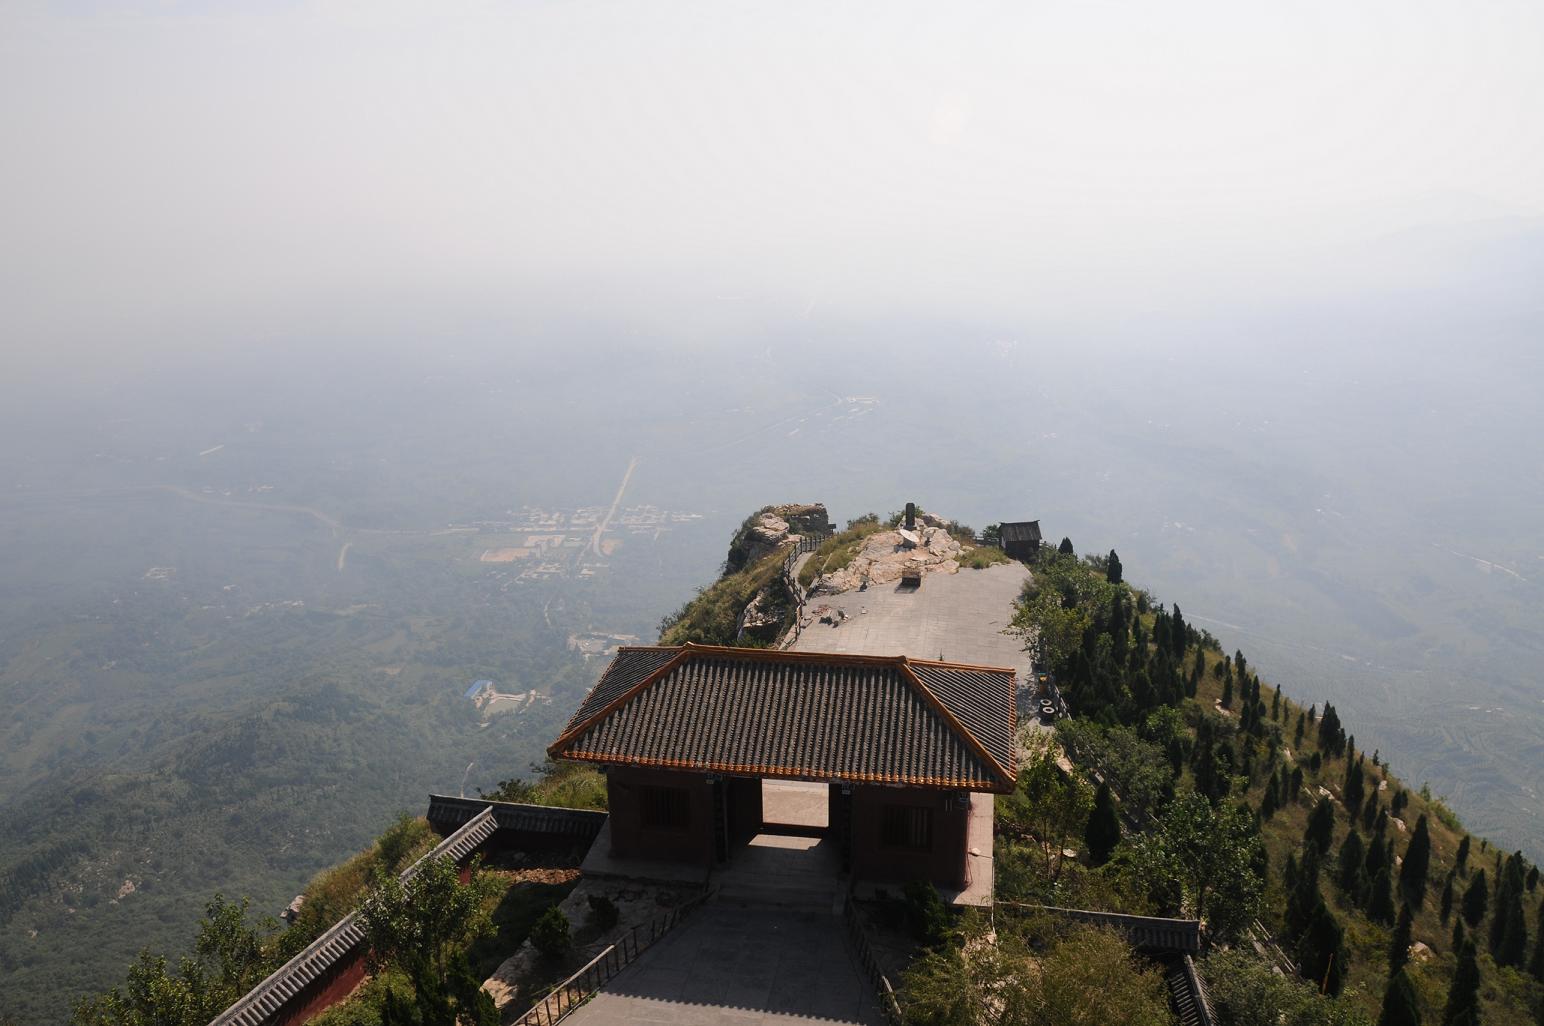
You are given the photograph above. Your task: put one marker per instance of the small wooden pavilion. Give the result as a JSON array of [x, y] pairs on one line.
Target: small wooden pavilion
[[687, 733], [1021, 540]]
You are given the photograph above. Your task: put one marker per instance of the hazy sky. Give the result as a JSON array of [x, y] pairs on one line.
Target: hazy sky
[[176, 168]]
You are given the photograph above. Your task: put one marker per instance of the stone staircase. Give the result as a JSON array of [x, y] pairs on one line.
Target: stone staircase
[[782, 871]]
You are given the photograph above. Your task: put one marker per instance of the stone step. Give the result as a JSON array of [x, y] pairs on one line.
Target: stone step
[[781, 896]]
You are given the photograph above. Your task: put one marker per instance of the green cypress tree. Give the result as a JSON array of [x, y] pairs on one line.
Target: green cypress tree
[[1065, 548], [1370, 811], [1447, 897], [1509, 889], [1412, 874], [1476, 898], [1268, 799], [1321, 827], [1399, 1004], [1461, 861], [1512, 939], [1376, 858], [1351, 877], [1380, 898], [1354, 790], [1399, 942], [1102, 832], [1227, 693], [1463, 1002], [1536, 963], [1321, 953], [1303, 899], [1112, 568]]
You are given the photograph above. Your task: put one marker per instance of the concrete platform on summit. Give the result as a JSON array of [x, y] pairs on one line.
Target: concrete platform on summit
[[740, 966], [956, 617]]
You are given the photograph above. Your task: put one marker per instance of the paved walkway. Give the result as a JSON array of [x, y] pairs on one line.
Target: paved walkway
[[742, 966], [957, 617]]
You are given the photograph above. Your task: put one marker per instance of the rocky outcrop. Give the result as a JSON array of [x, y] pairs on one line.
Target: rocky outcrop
[[769, 529], [886, 555], [763, 618]]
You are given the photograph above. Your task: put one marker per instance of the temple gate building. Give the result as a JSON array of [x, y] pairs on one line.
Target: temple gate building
[[906, 750]]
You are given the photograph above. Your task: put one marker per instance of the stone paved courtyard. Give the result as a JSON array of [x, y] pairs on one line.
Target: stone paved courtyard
[[741, 965]]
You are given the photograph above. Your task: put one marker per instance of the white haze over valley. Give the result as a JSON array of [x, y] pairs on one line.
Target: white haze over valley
[[1247, 292]]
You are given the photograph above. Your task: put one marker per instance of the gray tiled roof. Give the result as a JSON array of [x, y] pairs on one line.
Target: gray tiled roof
[[799, 714], [628, 668], [1022, 530], [446, 813]]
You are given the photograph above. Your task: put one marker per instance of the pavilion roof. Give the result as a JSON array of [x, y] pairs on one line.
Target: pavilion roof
[[800, 715]]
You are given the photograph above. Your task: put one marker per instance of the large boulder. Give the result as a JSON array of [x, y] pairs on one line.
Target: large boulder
[[769, 529], [885, 555]]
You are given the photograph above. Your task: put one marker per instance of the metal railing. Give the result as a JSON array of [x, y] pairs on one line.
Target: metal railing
[[1178, 936], [796, 593], [889, 1005], [598, 971]]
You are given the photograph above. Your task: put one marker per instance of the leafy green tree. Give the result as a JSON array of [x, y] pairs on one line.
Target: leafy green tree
[[1214, 855], [151, 995], [1075, 977], [1399, 1004], [228, 959], [1046, 809], [550, 934], [1476, 899], [1103, 831], [941, 989], [1412, 873], [420, 925], [1246, 991], [1463, 1001]]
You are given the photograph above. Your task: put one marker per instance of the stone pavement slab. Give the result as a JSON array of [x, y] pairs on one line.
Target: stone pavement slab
[[737, 965], [956, 617]]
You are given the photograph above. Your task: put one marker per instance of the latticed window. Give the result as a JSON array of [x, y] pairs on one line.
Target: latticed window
[[906, 826], [665, 808]]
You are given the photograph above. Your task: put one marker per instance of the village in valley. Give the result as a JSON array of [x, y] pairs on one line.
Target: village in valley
[[547, 544]]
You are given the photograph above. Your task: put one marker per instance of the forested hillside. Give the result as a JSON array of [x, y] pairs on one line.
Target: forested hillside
[[1205, 791]]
